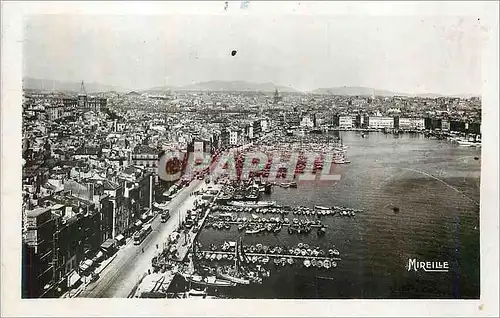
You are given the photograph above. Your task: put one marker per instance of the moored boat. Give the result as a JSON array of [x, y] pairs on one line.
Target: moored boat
[[207, 281], [327, 264], [259, 204], [320, 207]]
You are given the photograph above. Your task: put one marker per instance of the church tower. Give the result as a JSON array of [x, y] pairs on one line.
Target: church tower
[[276, 97], [82, 97]]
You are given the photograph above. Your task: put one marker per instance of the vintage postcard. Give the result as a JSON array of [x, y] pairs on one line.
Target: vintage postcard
[[301, 158]]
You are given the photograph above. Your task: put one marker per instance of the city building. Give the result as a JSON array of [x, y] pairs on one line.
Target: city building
[[380, 122], [37, 254], [346, 122], [406, 123], [146, 157]]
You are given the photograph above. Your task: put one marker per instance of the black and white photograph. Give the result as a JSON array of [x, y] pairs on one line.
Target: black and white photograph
[[229, 154]]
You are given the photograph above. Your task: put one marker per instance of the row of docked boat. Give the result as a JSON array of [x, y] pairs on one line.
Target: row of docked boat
[[265, 225], [301, 249], [218, 225], [243, 191], [319, 263], [265, 207], [253, 209], [319, 210], [253, 218], [259, 228], [266, 260]]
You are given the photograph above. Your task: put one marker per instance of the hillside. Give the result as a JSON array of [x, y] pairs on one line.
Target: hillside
[[54, 85], [228, 86]]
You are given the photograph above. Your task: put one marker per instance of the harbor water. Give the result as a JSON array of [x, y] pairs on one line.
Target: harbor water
[[434, 184]]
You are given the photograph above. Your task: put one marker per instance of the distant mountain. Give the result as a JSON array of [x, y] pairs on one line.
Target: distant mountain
[[160, 89], [368, 91], [54, 85], [30, 83], [354, 91], [228, 86], [133, 93]]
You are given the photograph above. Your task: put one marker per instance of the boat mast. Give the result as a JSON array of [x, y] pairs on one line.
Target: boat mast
[[236, 256]]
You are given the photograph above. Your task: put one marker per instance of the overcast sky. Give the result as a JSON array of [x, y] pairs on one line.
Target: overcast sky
[[407, 54]]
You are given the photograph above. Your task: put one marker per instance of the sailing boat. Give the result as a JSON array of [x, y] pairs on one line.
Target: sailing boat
[[191, 276], [234, 274]]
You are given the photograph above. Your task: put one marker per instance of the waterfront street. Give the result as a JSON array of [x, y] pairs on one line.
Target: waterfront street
[[118, 279]]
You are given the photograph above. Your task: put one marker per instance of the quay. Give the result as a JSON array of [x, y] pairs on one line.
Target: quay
[[276, 255], [184, 248]]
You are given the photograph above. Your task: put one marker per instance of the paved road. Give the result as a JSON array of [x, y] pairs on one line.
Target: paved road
[[119, 278]]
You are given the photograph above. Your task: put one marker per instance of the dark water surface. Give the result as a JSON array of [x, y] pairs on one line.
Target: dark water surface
[[435, 185]]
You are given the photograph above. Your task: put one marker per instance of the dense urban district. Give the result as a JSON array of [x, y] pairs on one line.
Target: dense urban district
[[90, 186]]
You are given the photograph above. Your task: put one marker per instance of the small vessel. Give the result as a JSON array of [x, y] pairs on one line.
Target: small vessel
[[320, 207], [254, 231], [208, 281], [193, 293], [283, 261], [277, 229], [259, 204], [467, 143], [321, 231], [327, 264]]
